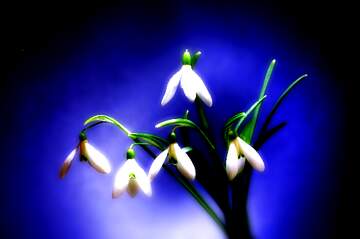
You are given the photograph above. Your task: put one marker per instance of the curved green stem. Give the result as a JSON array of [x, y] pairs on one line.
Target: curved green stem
[[181, 122], [189, 187]]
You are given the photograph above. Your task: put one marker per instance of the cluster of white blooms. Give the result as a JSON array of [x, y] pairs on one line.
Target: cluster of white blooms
[[131, 177]]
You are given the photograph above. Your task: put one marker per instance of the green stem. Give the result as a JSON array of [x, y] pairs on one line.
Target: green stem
[[200, 109], [190, 188]]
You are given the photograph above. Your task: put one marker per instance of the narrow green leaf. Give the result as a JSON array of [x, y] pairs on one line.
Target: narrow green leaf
[[268, 134], [187, 185], [233, 119], [154, 140], [106, 119], [177, 122], [250, 127], [249, 111], [180, 122], [279, 101]]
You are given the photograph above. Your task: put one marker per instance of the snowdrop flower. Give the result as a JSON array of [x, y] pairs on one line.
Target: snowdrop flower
[[175, 155], [87, 153], [238, 151], [131, 177], [190, 82]]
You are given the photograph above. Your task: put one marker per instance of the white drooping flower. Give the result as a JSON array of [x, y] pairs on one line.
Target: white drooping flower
[[130, 177], [238, 152], [175, 155], [190, 82], [87, 153]]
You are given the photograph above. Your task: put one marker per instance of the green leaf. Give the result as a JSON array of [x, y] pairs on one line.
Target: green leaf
[[187, 185], [249, 111], [279, 101], [154, 140], [177, 122], [268, 134], [250, 127], [233, 119], [195, 58], [180, 122], [106, 119]]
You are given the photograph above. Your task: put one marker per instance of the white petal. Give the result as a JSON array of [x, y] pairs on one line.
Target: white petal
[[201, 89], [121, 180], [96, 159], [158, 163], [142, 179], [188, 83], [67, 163], [232, 161], [171, 88], [184, 163], [251, 155], [241, 164]]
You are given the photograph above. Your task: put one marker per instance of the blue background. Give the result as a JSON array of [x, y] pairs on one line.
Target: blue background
[[117, 61]]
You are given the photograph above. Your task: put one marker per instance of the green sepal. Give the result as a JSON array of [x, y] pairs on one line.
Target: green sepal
[[106, 119], [180, 122]]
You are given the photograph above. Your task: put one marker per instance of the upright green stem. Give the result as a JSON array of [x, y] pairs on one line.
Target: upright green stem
[[200, 109]]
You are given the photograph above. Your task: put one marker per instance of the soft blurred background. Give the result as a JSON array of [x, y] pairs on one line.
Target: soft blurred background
[[67, 61]]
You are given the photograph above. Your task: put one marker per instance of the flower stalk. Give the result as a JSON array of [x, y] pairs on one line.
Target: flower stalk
[[220, 175]]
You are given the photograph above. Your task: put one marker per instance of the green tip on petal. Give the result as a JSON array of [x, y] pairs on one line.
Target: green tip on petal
[[82, 136], [172, 137], [132, 176], [130, 154], [186, 58]]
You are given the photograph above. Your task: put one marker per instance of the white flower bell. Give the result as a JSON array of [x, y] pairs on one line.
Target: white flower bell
[[238, 151], [190, 82], [131, 177], [87, 153], [177, 156]]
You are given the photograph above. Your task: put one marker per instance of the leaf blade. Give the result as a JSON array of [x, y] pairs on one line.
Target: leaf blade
[[281, 98], [249, 129], [106, 119]]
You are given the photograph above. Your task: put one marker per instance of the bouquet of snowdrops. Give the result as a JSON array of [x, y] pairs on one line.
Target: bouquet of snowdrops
[[226, 178]]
